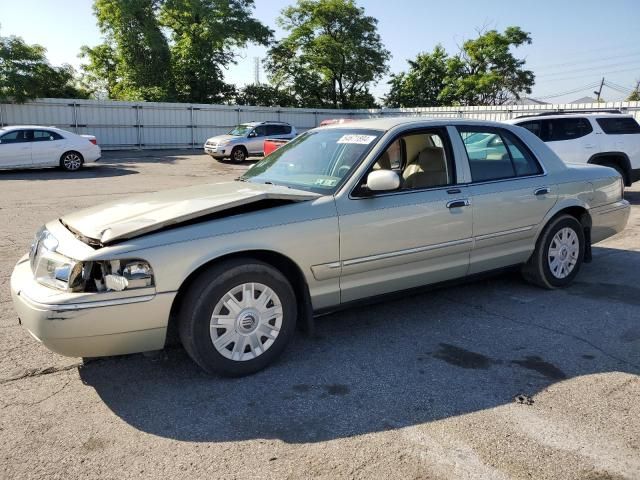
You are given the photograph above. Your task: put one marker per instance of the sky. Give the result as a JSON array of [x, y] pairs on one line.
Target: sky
[[575, 42]]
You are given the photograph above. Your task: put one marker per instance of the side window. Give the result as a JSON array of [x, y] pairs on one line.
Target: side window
[[619, 125], [17, 136], [533, 127], [489, 159], [421, 159], [45, 136], [272, 130], [523, 161], [286, 129], [261, 130], [568, 129], [501, 155]]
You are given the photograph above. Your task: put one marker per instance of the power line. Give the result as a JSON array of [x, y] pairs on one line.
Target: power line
[[594, 67], [594, 60], [636, 69], [568, 92]]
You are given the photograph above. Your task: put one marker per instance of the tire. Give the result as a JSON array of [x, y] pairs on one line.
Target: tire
[[564, 234], [238, 154], [618, 169], [71, 161], [252, 339]]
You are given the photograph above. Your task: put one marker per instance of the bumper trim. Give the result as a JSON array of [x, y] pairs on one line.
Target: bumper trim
[[84, 305]]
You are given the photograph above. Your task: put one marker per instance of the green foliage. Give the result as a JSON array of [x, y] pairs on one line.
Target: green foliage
[[331, 56], [138, 62], [25, 73], [422, 85], [265, 96], [204, 34], [634, 96], [484, 72]]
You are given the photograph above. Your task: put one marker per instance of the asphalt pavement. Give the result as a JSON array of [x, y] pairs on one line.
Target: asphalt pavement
[[489, 379]]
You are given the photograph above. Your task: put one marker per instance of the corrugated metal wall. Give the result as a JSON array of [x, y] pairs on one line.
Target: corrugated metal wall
[[127, 125]]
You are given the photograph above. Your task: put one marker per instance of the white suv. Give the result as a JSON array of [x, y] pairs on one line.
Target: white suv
[[247, 140], [609, 138]]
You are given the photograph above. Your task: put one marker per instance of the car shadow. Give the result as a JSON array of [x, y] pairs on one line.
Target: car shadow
[[89, 171], [410, 361]]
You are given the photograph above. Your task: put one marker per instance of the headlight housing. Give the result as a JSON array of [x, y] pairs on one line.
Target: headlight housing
[[57, 271]]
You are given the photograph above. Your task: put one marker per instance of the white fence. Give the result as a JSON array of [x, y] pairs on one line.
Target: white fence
[[139, 125]]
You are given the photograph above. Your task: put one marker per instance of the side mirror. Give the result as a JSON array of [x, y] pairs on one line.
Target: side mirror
[[383, 181], [252, 135]]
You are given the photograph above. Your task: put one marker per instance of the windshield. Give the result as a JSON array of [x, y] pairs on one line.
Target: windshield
[[317, 161], [240, 130]]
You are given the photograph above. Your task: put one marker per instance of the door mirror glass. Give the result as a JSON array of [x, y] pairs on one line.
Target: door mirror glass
[[252, 134], [383, 181]]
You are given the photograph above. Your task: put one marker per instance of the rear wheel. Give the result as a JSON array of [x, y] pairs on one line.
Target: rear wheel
[[71, 161], [237, 317], [558, 254]]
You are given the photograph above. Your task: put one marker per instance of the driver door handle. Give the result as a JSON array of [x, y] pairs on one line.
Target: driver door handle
[[462, 202], [542, 191]]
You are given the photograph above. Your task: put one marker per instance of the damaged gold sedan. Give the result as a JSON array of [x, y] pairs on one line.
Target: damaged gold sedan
[[341, 214]]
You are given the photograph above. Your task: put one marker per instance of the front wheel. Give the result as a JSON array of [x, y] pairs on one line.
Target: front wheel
[[237, 317], [238, 154], [558, 255]]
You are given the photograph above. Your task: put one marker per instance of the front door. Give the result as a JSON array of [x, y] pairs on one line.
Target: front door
[[15, 149], [511, 196], [416, 235], [255, 140]]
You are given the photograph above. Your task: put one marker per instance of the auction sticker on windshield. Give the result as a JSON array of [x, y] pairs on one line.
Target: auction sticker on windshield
[[357, 139]]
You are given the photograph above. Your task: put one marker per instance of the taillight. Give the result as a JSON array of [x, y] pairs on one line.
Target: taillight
[[94, 141]]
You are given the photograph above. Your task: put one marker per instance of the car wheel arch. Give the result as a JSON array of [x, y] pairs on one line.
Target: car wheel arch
[[619, 158], [577, 210], [285, 265]]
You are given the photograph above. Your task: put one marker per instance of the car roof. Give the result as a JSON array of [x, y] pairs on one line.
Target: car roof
[[387, 123], [551, 116], [266, 122], [8, 128]]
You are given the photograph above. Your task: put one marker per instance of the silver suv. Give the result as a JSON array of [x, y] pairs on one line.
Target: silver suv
[[247, 140]]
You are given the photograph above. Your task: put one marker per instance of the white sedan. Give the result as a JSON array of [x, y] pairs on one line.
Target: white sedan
[[35, 147]]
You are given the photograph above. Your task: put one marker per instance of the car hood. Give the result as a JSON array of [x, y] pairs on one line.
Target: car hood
[[222, 138], [134, 216]]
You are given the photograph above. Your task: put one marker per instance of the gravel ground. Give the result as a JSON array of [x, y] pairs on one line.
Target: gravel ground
[[491, 379]]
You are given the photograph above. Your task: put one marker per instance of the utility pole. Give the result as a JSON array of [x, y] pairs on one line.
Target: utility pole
[[256, 70], [599, 92]]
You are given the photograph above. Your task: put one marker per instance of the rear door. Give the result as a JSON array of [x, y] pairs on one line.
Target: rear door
[[510, 195], [573, 139], [15, 149], [621, 134], [46, 148]]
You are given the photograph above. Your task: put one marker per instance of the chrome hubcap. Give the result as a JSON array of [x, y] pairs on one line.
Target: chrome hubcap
[[239, 155], [72, 161], [563, 252], [246, 321]]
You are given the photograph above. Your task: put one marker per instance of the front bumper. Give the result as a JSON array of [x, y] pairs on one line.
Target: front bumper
[[609, 220], [217, 151], [89, 325]]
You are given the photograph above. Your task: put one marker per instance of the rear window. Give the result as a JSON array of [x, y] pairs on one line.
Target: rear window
[[618, 125]]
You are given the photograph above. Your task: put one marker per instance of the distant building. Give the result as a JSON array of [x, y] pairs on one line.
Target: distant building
[[525, 101], [585, 100]]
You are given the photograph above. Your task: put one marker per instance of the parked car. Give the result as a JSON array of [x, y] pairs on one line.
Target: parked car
[[247, 140], [333, 121], [272, 144], [32, 146], [600, 138], [382, 205]]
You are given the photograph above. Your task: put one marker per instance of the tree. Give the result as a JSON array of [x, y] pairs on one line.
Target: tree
[[266, 96], [25, 73], [422, 85], [484, 72], [138, 62], [205, 34], [331, 56], [634, 96]]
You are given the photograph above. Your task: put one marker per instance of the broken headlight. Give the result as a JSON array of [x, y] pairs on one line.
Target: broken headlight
[[54, 270]]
